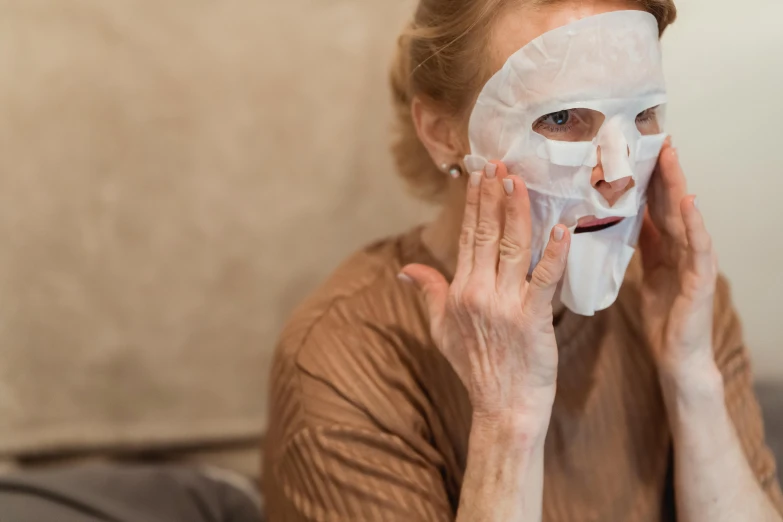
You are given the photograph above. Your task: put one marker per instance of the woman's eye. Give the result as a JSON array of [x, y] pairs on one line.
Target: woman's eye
[[647, 122], [557, 118], [648, 115], [645, 116], [569, 125]]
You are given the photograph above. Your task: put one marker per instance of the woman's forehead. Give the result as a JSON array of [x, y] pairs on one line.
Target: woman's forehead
[[613, 55], [520, 25]]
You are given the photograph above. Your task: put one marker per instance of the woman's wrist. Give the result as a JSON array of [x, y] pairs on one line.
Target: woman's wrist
[[692, 386], [504, 477], [523, 430], [696, 369]]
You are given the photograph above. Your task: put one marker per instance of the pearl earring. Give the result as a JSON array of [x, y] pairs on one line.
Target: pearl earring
[[455, 171]]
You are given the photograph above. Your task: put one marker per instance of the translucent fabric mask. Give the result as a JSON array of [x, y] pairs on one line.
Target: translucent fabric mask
[[608, 66]]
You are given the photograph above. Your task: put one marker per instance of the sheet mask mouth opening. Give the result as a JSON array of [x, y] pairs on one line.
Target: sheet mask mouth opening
[[597, 228]]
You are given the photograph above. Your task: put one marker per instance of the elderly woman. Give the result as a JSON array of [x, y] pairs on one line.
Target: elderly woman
[[473, 369]]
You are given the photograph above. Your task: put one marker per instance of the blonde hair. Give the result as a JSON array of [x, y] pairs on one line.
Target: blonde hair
[[439, 60]]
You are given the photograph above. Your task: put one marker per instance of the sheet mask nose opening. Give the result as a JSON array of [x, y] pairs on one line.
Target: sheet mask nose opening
[[616, 157]]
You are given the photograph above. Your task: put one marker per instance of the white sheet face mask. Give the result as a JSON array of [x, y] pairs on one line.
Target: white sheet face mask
[[608, 69]]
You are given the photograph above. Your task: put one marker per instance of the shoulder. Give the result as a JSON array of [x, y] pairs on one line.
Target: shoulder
[[353, 387], [362, 306], [362, 279], [352, 353]]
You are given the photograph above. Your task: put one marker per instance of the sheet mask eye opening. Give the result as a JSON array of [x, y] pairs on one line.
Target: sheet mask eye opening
[[651, 120], [572, 125]]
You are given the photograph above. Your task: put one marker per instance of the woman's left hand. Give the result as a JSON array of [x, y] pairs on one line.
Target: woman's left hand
[[680, 274]]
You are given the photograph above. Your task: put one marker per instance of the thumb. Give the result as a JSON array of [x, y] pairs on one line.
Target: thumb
[[432, 284]]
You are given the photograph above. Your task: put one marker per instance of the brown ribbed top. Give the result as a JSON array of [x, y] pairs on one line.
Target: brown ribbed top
[[369, 423]]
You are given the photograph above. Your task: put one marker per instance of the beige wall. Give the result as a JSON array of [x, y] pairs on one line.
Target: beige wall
[[724, 62], [175, 177]]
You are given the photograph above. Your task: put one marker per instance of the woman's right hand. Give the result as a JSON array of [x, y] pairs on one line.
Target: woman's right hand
[[492, 325]]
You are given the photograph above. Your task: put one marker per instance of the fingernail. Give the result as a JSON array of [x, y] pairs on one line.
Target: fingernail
[[508, 186], [491, 169], [405, 278], [696, 203], [475, 178], [559, 233]]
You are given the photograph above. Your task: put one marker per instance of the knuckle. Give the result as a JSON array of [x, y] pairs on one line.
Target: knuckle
[[474, 300], [509, 314], [544, 275], [466, 237], [694, 284], [538, 318], [549, 266], [511, 249], [486, 233], [472, 201], [538, 322]]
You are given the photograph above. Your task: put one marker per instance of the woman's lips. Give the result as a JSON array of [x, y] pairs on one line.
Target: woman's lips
[[593, 224]]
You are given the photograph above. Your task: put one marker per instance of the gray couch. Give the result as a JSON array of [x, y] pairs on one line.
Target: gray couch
[[771, 398]]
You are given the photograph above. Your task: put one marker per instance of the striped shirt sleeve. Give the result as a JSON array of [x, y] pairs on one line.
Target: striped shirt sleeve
[[357, 447], [339, 473], [734, 362]]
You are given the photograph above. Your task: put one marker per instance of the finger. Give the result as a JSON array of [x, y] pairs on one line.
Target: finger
[[514, 250], [467, 238], [650, 243], [488, 228], [432, 285], [666, 194], [699, 241], [547, 274]]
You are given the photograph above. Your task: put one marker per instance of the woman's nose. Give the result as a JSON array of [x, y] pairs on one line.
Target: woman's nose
[[611, 191]]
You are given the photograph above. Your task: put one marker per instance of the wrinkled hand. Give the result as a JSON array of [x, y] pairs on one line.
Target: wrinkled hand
[[492, 325], [680, 272]]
